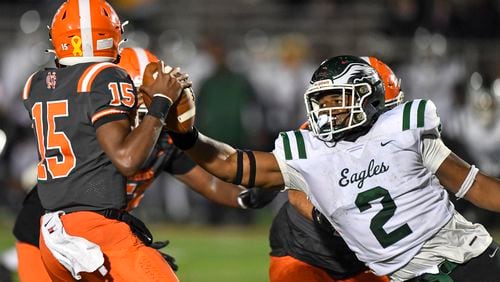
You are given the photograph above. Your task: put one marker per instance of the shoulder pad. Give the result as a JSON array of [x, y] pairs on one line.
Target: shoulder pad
[[92, 72], [290, 145], [420, 114], [27, 86]]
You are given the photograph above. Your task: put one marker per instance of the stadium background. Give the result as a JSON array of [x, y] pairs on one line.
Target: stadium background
[[250, 61]]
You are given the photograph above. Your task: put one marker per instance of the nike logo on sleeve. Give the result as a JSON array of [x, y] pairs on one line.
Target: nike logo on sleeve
[[385, 143]]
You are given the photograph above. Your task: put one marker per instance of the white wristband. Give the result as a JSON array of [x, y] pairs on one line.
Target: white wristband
[[469, 180]]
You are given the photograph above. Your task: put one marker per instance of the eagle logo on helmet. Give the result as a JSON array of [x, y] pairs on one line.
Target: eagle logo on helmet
[[356, 73]]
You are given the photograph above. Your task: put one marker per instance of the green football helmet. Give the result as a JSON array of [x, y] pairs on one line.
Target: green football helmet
[[344, 99]]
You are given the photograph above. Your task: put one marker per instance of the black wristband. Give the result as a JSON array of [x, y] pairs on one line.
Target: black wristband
[[239, 167], [184, 141], [159, 107], [251, 177]]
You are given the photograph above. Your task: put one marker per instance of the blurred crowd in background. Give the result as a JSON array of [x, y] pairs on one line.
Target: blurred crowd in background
[[251, 61]]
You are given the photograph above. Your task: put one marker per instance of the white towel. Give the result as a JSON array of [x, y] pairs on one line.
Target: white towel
[[76, 254]]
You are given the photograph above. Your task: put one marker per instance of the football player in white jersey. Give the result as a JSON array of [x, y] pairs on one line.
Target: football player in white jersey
[[377, 176]]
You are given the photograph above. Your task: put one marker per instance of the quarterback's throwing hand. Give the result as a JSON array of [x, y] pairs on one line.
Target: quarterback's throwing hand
[[169, 84]]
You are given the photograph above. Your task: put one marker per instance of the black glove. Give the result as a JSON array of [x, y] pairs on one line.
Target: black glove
[[321, 222], [170, 259], [256, 198]]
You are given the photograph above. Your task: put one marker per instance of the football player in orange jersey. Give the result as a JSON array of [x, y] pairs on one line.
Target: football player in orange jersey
[[164, 158], [80, 114]]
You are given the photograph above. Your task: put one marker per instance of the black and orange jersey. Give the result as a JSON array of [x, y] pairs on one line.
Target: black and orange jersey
[[66, 106], [294, 235], [165, 157]]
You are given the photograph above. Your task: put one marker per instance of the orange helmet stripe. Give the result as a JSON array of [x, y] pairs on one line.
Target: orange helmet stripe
[[90, 74]]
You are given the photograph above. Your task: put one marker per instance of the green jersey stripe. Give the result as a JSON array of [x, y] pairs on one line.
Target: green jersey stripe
[[421, 113], [286, 145], [406, 116], [300, 144]]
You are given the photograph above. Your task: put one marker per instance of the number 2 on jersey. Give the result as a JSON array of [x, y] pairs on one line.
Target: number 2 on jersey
[[377, 223], [56, 140]]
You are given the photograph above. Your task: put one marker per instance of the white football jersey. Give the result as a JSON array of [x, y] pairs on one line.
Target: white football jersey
[[375, 191]]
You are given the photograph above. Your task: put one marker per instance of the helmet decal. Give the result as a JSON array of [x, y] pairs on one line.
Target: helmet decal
[[76, 42], [354, 73]]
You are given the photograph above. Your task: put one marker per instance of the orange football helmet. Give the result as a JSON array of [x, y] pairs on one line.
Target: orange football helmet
[[393, 94], [134, 61], [85, 31]]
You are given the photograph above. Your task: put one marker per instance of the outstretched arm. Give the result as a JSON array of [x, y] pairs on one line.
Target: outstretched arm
[[485, 190], [223, 161]]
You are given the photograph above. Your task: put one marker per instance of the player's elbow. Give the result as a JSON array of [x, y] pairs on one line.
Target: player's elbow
[[127, 166]]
